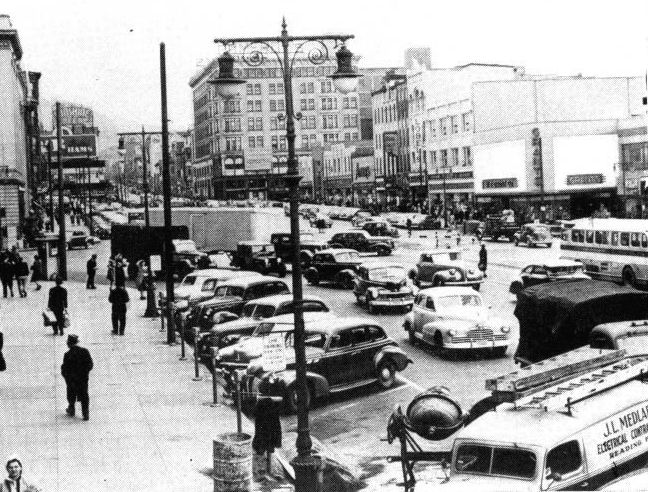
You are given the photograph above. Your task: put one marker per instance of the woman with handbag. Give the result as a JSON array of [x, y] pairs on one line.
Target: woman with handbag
[[58, 303], [37, 272]]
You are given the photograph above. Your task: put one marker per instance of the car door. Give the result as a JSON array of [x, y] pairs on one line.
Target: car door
[[428, 314], [327, 266], [362, 353], [418, 311], [426, 267], [338, 360]]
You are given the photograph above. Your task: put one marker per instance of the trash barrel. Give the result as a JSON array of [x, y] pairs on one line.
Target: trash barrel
[[233, 462]]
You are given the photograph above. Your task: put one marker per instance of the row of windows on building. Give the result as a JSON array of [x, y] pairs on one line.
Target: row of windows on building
[[272, 73], [233, 125], [338, 166], [447, 125], [279, 143], [433, 159]]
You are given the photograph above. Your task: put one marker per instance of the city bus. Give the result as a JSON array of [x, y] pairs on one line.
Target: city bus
[[610, 249]]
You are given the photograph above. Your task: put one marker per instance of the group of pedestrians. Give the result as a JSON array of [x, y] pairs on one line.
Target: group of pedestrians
[[14, 267]]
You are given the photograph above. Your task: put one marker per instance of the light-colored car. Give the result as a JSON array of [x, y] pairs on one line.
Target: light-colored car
[[533, 235], [548, 271], [629, 335], [456, 318], [444, 267]]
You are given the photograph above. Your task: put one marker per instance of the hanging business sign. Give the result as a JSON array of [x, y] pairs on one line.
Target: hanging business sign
[[274, 352], [584, 179], [390, 142], [499, 183], [73, 146]]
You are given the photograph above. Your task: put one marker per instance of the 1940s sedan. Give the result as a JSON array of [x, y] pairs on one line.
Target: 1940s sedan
[[341, 354], [444, 267], [456, 318], [383, 285]]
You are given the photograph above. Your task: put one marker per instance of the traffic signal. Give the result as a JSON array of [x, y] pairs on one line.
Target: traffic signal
[[120, 145]]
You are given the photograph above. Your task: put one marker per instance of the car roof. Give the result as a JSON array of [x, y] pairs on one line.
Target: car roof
[[323, 322], [309, 317], [333, 251], [248, 281], [621, 225], [448, 291], [369, 265], [254, 243], [556, 263], [281, 298], [617, 328], [440, 251]]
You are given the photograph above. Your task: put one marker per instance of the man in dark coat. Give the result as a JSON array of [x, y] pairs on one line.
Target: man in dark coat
[[483, 259], [119, 298], [91, 269], [7, 272], [58, 303], [76, 367]]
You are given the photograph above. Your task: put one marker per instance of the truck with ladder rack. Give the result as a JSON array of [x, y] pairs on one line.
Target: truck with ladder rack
[[575, 421]]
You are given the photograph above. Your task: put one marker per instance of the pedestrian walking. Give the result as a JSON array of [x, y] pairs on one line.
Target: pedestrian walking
[[76, 367], [119, 298], [7, 274], [58, 303], [111, 270], [120, 273], [91, 270], [483, 259], [15, 481], [22, 274], [3, 363], [37, 272], [142, 269], [409, 227]]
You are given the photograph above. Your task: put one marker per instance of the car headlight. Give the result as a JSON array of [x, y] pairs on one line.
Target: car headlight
[[452, 332], [278, 260], [505, 329]]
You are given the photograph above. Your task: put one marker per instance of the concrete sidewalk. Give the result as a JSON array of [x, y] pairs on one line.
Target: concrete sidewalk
[[150, 428]]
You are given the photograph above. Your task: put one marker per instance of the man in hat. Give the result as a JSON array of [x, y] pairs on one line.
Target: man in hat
[[58, 303], [15, 481], [76, 368], [91, 269]]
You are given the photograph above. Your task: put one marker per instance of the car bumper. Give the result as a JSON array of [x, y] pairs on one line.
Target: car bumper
[[392, 302], [475, 344]]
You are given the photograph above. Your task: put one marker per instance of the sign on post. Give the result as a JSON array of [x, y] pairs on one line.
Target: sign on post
[[155, 261], [274, 352]]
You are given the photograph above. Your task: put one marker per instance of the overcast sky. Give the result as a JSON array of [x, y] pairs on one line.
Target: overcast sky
[[106, 54]]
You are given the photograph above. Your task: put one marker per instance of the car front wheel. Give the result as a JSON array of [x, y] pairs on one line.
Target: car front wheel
[[386, 374]]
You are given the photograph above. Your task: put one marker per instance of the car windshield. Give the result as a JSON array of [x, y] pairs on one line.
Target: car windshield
[[564, 270], [261, 248], [209, 285], [347, 256], [490, 460], [388, 273], [540, 229], [230, 290], [189, 280], [635, 343], [258, 311], [441, 258], [464, 300]]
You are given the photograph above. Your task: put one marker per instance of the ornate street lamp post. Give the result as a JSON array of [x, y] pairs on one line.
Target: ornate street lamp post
[[316, 49]]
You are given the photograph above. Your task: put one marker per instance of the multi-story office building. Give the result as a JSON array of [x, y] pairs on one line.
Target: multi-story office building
[[241, 141], [338, 170], [554, 145], [18, 133]]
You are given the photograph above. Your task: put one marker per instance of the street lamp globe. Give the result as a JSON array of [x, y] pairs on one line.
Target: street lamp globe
[[345, 78], [227, 86]]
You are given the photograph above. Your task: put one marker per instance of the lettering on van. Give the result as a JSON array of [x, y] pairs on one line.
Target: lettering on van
[[623, 433]]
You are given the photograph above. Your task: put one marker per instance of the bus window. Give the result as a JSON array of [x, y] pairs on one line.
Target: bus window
[[614, 240], [589, 236], [644, 241], [625, 238], [574, 236], [597, 237], [605, 237], [634, 240]]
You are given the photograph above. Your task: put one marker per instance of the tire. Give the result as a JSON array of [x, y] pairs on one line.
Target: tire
[[517, 243], [410, 334], [499, 351], [515, 288], [438, 282], [290, 398], [281, 270], [438, 339], [346, 282], [476, 287], [386, 374], [383, 251], [629, 277], [529, 243], [305, 260]]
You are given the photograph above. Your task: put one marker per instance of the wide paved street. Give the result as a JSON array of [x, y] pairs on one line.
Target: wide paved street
[[352, 425]]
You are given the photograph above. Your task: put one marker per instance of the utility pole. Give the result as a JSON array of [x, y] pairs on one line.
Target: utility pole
[[166, 192], [50, 186], [145, 186], [62, 243]]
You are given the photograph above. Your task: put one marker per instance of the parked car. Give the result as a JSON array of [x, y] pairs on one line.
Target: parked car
[[427, 223], [254, 312], [258, 256], [383, 285], [549, 271], [380, 228], [283, 246], [341, 353], [497, 226], [456, 318], [444, 267], [347, 213], [391, 217], [320, 221], [533, 235], [363, 242], [334, 265], [241, 353], [231, 296], [78, 239]]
